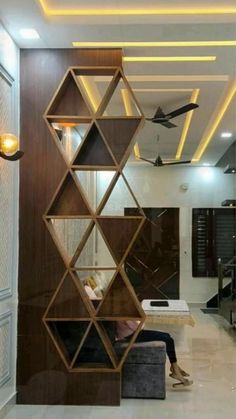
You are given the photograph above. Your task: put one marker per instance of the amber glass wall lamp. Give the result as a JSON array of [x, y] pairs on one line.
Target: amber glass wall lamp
[[9, 144]]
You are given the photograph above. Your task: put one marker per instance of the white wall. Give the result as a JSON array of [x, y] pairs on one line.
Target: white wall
[[161, 187], [9, 214]]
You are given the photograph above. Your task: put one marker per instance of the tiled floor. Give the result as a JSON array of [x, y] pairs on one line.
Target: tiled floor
[[207, 351]]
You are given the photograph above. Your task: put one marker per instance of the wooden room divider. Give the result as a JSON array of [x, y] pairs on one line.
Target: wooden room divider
[[96, 141]]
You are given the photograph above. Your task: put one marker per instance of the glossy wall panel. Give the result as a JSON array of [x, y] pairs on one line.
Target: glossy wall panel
[[152, 264], [41, 267]]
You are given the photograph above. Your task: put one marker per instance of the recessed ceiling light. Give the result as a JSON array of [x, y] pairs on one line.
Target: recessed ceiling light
[[206, 164], [226, 135], [29, 33]]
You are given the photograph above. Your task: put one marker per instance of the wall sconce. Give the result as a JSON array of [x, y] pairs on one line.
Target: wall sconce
[[8, 147]]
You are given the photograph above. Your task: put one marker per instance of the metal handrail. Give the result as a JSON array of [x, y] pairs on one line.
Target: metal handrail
[[222, 267]]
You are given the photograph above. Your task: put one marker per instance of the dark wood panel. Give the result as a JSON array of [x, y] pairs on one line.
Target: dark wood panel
[[43, 376], [119, 134], [68, 200], [40, 265], [94, 151]]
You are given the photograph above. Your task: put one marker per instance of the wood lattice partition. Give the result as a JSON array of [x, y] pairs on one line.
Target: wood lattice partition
[[98, 142]]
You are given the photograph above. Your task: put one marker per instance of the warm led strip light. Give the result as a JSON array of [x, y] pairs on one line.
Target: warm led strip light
[[129, 12], [207, 136], [129, 112], [161, 78], [187, 123], [161, 90], [123, 44], [168, 59], [89, 91], [127, 103]]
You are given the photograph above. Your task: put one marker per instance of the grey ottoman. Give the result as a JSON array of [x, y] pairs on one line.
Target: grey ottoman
[[143, 373]]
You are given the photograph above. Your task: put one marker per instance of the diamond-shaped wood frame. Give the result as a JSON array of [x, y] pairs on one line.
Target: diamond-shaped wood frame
[[106, 145]]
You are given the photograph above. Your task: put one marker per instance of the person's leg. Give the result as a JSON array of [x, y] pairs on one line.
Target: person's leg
[[153, 335]]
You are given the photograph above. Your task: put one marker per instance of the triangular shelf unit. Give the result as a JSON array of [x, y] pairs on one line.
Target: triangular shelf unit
[[119, 100], [119, 301], [68, 100], [93, 119], [94, 151], [68, 134], [68, 200], [119, 234], [68, 302], [119, 133]]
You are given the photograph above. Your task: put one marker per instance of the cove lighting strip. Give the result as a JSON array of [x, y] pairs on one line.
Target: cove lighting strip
[[187, 123], [132, 12], [143, 44], [168, 59], [161, 90], [208, 134], [90, 93], [129, 112]]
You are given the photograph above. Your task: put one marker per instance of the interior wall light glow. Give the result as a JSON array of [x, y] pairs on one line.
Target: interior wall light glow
[[9, 144], [143, 44], [187, 123], [169, 59], [206, 173], [209, 132], [226, 135], [29, 33], [129, 12]]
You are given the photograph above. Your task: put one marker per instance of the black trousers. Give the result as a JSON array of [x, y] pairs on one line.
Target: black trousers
[[153, 335]]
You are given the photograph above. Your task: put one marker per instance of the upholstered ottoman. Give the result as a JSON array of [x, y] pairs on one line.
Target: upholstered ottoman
[[143, 373]]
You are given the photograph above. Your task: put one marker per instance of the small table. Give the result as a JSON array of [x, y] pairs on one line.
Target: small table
[[174, 312]]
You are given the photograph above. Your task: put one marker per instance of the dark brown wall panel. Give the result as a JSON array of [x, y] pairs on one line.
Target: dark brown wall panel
[[41, 375]]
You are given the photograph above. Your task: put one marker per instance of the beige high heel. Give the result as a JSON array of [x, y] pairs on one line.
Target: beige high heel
[[183, 382]]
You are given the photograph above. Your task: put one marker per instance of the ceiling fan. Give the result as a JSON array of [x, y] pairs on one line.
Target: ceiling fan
[[158, 162], [164, 119]]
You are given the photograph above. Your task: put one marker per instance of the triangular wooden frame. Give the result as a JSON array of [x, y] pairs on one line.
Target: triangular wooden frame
[[70, 90], [73, 120], [108, 195], [121, 136], [59, 245], [67, 187], [119, 75], [107, 350], [68, 283], [83, 245], [127, 293], [58, 342], [57, 209], [88, 141], [106, 223]]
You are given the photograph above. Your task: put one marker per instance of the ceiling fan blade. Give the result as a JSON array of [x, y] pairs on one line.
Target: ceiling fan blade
[[158, 162], [177, 162], [159, 113], [183, 109], [149, 161], [164, 122]]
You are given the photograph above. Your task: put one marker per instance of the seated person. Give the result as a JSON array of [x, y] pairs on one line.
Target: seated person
[[125, 331]]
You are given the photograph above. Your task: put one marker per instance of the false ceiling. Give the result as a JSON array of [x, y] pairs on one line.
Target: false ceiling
[[207, 26]]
